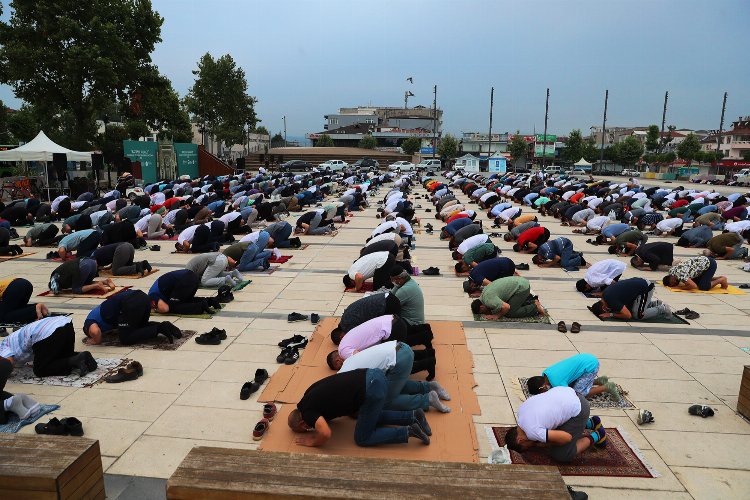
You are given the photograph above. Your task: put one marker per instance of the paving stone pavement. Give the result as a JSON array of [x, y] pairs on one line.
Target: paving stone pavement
[[189, 397]]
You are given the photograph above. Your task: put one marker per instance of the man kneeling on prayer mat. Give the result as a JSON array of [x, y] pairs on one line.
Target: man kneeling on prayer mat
[[509, 297], [579, 372], [630, 299], [129, 313], [361, 392], [556, 420]]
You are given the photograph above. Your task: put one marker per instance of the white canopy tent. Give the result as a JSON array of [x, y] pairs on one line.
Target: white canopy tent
[[582, 163], [41, 148]]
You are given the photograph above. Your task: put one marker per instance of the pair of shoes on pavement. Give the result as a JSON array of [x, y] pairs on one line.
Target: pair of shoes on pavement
[[688, 313], [261, 375], [431, 271], [269, 412], [290, 349], [295, 316], [214, 337]]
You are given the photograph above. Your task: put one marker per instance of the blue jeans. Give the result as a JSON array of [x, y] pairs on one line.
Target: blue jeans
[[281, 240], [405, 394], [569, 258], [253, 258], [372, 415]]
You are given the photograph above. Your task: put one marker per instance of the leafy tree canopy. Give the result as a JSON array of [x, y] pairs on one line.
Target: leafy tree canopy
[[324, 141], [368, 142], [411, 145], [448, 146]]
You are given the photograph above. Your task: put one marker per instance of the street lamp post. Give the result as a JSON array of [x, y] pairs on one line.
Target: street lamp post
[[284, 118]]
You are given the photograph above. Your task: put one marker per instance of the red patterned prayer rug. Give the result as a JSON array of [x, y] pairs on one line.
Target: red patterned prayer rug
[[620, 458]]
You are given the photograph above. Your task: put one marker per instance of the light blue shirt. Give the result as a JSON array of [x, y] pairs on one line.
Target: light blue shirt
[[71, 241], [567, 371]]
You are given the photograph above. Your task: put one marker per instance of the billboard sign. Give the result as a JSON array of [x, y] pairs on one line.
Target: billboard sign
[[549, 138], [548, 150], [187, 159], [145, 153]]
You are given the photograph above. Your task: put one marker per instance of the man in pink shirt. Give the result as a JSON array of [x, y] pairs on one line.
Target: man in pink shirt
[[369, 333]]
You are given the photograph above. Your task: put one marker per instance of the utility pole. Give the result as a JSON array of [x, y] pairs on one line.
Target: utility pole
[[604, 128], [434, 122], [489, 137], [663, 121], [721, 129], [284, 118], [544, 137]]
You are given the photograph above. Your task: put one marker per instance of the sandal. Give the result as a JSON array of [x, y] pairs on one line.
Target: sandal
[[561, 327], [575, 327], [54, 428]]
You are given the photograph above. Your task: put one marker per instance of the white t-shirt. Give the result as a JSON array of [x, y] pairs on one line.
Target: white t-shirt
[[407, 227], [547, 411], [667, 225], [471, 242], [597, 223], [142, 224], [737, 227], [508, 213], [604, 272], [380, 356], [187, 234], [385, 226], [368, 264], [229, 217], [385, 237]]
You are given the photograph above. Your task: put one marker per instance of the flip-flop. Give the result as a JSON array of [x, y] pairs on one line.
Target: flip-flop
[[575, 327], [561, 327]]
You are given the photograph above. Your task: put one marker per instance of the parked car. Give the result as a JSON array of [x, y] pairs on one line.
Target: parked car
[[296, 165], [333, 165], [742, 177], [401, 165], [367, 163], [134, 192], [630, 172], [428, 164], [553, 169]]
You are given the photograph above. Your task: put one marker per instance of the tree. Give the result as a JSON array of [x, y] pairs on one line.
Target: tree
[[368, 142], [518, 148], [219, 100], [591, 150], [411, 145], [689, 149], [629, 151], [261, 130], [324, 141], [746, 155], [277, 141], [448, 146], [664, 141], [136, 129], [652, 138], [110, 143], [24, 124], [73, 56], [574, 147]]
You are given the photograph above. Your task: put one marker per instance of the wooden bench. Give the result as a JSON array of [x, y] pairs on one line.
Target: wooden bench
[[743, 400], [54, 467], [219, 473]]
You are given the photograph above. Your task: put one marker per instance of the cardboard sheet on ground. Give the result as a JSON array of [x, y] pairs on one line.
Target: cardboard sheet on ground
[[108, 273], [99, 294], [731, 290], [454, 437]]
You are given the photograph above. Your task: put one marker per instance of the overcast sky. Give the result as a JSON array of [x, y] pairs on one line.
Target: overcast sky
[[304, 58]]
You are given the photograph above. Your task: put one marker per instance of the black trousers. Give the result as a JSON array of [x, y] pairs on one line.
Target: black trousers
[[89, 244], [382, 276], [51, 355], [5, 369], [133, 325], [47, 237], [202, 241], [183, 299], [14, 304]]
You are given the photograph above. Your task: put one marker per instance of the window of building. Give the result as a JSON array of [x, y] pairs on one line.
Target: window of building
[[333, 121]]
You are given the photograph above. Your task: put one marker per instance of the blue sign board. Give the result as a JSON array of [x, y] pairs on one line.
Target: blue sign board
[[498, 165], [426, 151]]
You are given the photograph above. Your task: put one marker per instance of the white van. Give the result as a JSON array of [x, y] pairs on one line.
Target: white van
[[553, 169]]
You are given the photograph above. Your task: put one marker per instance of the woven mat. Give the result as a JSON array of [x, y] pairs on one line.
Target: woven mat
[[14, 424], [11, 257], [730, 290], [108, 273], [602, 400], [620, 458], [528, 319], [25, 374], [159, 343], [99, 294], [280, 260]]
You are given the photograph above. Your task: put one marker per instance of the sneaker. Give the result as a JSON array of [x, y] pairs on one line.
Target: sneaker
[[314, 318], [645, 417], [298, 345], [13, 233], [701, 410], [295, 316], [431, 271], [291, 340], [522, 267], [292, 356], [260, 429], [283, 354], [295, 242]]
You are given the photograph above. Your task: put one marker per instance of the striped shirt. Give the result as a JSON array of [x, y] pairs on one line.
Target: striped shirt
[[19, 343]]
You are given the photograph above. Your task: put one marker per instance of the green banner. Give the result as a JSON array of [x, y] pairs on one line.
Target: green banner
[[550, 138], [187, 159], [144, 152], [548, 150]]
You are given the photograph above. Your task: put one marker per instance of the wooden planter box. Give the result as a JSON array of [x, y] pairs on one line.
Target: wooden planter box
[[743, 401]]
